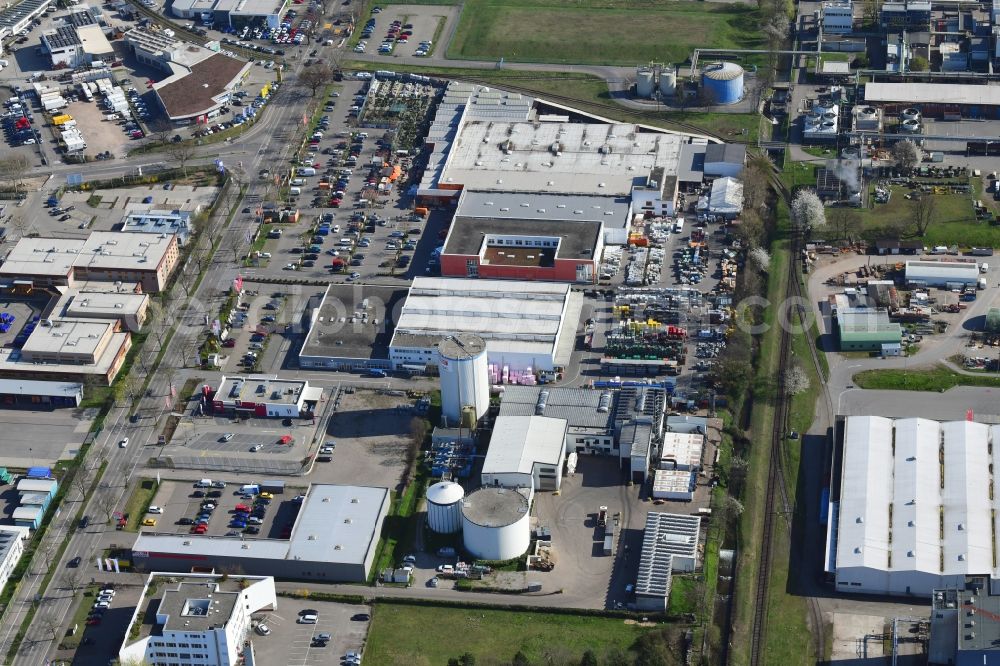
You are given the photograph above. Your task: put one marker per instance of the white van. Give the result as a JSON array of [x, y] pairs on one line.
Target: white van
[[250, 489], [984, 267], [679, 226], [306, 171], [204, 483], [295, 190], [298, 181]]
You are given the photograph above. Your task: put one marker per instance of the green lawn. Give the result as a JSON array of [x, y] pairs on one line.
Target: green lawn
[[954, 222], [938, 378], [138, 502], [624, 32], [404, 635]]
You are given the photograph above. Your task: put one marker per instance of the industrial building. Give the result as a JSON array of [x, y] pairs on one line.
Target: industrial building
[[465, 382], [526, 452], [34, 394], [266, 396], [910, 505], [867, 329], [129, 308], [528, 326], [942, 274], [177, 222], [200, 619], [103, 256], [681, 451], [965, 625], [725, 199], [334, 538], [523, 249], [838, 16], [613, 213], [626, 423], [350, 328], [950, 101], [72, 350], [199, 82], [18, 17], [669, 543], [230, 13], [674, 485], [496, 523], [11, 549]]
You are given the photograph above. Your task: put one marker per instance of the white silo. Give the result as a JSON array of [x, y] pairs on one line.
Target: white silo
[[644, 82], [444, 507], [668, 82], [496, 523], [465, 380]]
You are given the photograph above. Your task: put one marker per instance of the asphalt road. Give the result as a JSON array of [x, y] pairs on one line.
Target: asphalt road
[[261, 145]]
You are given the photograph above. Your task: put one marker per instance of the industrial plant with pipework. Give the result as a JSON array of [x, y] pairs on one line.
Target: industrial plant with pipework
[[910, 505]]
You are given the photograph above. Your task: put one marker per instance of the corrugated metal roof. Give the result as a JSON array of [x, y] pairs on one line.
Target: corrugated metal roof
[[666, 535]]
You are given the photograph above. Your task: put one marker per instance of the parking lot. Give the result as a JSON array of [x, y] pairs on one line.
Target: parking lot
[[418, 24], [201, 442], [292, 643], [182, 503]]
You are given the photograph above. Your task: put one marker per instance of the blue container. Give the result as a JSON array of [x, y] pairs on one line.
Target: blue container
[[724, 82]]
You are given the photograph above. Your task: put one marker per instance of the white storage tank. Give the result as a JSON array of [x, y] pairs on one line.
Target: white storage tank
[[644, 82], [444, 507], [465, 378], [668, 82], [495, 523]]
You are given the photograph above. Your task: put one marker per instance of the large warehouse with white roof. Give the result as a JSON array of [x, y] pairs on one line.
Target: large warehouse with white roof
[[912, 505], [525, 324]]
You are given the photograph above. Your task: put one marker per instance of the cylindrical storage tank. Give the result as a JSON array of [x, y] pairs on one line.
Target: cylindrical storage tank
[[912, 126], [444, 507], [644, 84], [465, 378], [495, 523], [724, 81], [911, 114], [468, 420], [850, 153], [668, 81]]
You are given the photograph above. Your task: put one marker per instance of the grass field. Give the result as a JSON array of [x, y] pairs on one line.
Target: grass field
[[954, 222], [404, 635], [138, 502], [938, 378], [622, 32]]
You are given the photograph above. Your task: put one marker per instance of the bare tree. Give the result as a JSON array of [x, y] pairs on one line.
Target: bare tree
[[808, 209], [923, 209], [169, 373], [50, 625], [843, 222], [81, 482], [237, 244], [106, 504], [316, 76], [13, 169], [20, 225], [161, 129], [181, 153], [72, 578], [906, 153], [45, 551]]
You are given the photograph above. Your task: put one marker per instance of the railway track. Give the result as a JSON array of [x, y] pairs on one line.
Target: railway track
[[775, 487]]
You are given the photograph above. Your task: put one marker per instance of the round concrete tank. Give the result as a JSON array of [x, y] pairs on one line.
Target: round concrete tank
[[668, 82], [444, 507], [495, 523], [910, 125], [644, 84], [850, 153], [724, 81], [911, 114], [464, 376]]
